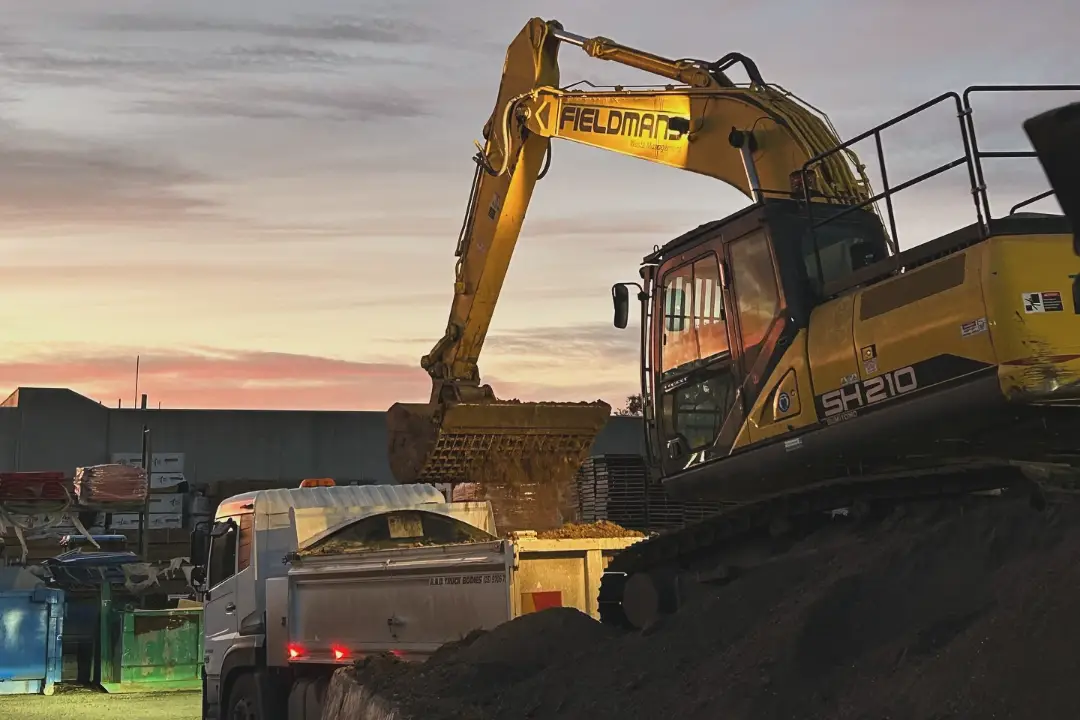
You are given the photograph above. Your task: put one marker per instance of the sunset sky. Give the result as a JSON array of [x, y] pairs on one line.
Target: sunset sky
[[262, 197]]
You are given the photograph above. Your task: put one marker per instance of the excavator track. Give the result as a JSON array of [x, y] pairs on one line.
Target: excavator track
[[653, 578]]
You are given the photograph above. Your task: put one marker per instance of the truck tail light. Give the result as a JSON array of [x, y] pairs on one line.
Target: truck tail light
[[339, 653], [295, 651]]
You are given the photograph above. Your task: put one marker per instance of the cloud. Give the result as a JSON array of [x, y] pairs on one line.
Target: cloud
[[261, 103], [585, 342], [131, 273], [51, 180], [350, 28], [215, 378], [223, 379]]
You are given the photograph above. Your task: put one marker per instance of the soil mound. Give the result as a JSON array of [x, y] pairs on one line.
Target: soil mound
[[964, 610], [456, 681]]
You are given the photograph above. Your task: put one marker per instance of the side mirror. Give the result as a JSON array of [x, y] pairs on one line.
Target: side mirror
[[620, 297], [198, 544]]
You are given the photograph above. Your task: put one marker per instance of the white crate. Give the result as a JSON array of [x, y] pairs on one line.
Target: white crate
[[167, 463], [168, 503], [171, 462], [133, 459], [165, 481], [158, 521], [38, 522]]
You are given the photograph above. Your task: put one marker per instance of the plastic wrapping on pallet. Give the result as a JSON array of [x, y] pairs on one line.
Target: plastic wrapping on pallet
[[111, 484]]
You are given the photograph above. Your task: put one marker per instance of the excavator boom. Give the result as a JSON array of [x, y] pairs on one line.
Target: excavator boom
[[755, 138]]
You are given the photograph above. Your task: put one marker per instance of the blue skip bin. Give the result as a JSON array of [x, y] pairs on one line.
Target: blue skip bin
[[31, 650]]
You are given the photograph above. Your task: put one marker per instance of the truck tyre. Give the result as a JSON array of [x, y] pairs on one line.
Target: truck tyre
[[243, 700]]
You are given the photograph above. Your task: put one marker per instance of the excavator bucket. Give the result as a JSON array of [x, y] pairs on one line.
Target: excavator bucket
[[1055, 135], [514, 452]]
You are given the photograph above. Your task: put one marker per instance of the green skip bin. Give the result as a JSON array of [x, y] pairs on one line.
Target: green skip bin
[[151, 650]]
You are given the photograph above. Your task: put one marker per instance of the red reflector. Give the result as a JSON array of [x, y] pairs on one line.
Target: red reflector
[[396, 653], [295, 651]]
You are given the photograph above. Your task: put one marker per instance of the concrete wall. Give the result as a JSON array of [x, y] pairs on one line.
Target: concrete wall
[[57, 429]]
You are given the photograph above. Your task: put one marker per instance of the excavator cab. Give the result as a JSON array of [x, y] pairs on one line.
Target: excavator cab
[[720, 300], [790, 344]]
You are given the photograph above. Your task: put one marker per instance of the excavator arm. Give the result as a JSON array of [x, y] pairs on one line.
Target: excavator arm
[[756, 138]]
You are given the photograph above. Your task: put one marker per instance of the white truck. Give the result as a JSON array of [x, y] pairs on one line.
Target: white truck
[[302, 581]]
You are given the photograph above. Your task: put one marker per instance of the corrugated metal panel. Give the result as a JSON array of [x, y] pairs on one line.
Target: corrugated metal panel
[[344, 496]]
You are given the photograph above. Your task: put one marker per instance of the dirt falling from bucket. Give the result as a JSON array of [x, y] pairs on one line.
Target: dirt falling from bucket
[[530, 493]]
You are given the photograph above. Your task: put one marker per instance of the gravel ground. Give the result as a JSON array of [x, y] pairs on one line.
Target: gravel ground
[[86, 705]]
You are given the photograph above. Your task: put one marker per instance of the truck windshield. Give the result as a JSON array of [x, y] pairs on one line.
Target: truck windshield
[[398, 529]]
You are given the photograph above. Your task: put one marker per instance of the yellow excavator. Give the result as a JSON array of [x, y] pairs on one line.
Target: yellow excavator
[[465, 433], [794, 360]]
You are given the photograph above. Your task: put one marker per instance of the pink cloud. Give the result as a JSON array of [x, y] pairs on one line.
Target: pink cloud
[[219, 379], [225, 379]]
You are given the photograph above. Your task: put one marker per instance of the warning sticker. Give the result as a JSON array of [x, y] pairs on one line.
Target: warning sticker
[[973, 328], [478, 579], [1042, 302], [1052, 302]]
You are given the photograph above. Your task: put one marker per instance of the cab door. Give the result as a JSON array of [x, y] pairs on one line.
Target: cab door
[[696, 375], [220, 621]]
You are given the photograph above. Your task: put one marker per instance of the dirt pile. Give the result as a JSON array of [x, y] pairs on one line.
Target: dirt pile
[[969, 610], [576, 531], [457, 681]]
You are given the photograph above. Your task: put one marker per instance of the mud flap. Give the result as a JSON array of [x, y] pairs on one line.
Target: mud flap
[[270, 698], [1055, 135]]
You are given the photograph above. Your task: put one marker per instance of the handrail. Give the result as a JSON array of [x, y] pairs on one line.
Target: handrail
[[979, 185], [972, 158]]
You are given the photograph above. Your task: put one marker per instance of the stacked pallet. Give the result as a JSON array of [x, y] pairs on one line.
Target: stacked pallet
[[168, 493], [617, 488]]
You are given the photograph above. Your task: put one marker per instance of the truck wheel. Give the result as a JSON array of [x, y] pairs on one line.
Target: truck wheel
[[243, 702]]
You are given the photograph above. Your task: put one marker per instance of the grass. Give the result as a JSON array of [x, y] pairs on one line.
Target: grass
[[88, 705]]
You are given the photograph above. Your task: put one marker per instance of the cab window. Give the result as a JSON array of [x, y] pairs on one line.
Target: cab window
[[222, 564], [245, 540], [694, 413], [695, 327], [757, 297]]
